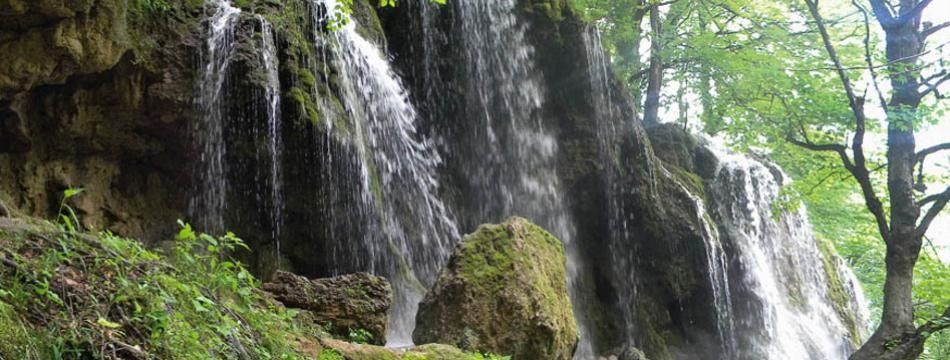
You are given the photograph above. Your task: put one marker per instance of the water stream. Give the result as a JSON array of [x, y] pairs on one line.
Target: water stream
[[207, 206], [398, 179], [609, 127], [271, 99], [783, 309]]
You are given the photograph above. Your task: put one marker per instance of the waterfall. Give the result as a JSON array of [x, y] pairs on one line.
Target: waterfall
[[514, 171], [271, 99], [783, 306], [230, 116], [208, 204], [382, 205], [718, 269], [609, 124], [398, 183]]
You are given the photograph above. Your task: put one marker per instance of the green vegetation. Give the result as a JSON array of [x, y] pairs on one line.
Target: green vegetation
[[152, 5], [68, 295], [360, 336]]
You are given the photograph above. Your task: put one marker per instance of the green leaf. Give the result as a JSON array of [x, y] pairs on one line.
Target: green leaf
[[71, 192], [107, 324]]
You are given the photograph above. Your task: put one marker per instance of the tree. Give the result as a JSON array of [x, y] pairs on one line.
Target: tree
[[902, 228]]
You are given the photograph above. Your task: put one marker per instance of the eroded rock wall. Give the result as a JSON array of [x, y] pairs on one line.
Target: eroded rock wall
[[87, 101]]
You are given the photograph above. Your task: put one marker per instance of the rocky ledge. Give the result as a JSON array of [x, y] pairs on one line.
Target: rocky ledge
[[342, 305]]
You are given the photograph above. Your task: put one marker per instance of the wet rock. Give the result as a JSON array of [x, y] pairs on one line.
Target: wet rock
[[341, 304], [504, 291], [625, 353]]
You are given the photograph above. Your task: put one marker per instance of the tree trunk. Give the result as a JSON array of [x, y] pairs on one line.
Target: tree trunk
[[630, 52], [896, 337], [651, 106]]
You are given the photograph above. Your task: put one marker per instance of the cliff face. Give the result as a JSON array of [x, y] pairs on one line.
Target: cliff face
[[88, 98]]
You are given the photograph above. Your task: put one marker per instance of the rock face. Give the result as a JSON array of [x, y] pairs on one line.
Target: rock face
[[504, 291], [89, 99], [342, 304], [54, 39]]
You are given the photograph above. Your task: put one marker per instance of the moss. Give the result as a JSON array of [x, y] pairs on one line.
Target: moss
[[504, 291], [369, 25], [552, 9], [18, 340], [152, 23], [693, 183], [306, 104], [375, 181], [840, 299], [306, 77], [656, 342]]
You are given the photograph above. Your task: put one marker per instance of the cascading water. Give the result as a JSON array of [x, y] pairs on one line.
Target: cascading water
[[771, 301], [718, 269], [609, 122], [228, 118], [515, 171], [783, 309], [271, 97], [386, 216], [398, 184], [208, 204]]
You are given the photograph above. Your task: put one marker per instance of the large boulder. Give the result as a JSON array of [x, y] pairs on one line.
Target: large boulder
[[504, 291], [342, 304]]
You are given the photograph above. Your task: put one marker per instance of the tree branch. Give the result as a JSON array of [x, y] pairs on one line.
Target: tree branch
[[927, 31], [922, 154], [859, 168], [933, 86], [935, 325], [914, 12], [867, 54], [882, 13], [939, 202], [841, 150]]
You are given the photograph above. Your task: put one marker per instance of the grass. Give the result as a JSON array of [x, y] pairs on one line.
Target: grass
[[70, 295]]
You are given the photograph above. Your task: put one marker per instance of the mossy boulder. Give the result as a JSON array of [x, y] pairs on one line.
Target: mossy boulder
[[342, 304], [504, 291]]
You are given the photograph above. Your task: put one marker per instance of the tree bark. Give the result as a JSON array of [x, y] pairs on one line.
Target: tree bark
[[651, 106], [629, 50], [897, 337]]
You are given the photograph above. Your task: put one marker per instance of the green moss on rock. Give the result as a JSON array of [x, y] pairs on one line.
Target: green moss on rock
[[504, 291], [551, 9], [837, 292]]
